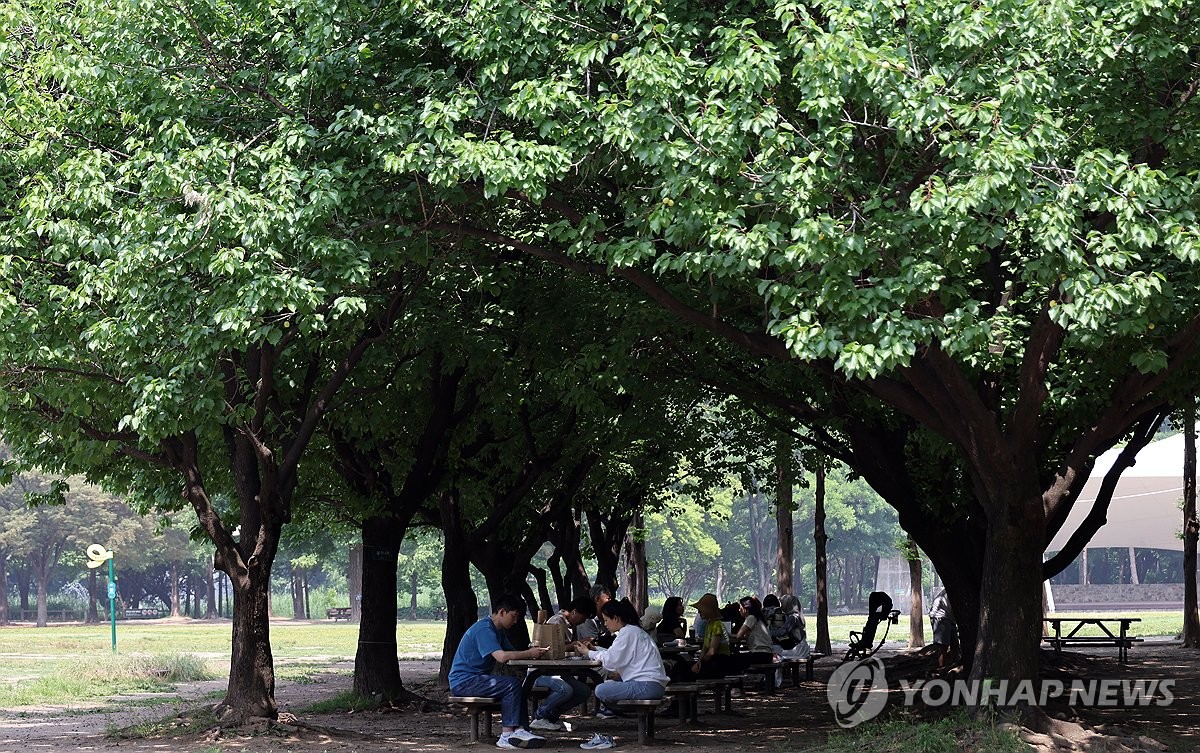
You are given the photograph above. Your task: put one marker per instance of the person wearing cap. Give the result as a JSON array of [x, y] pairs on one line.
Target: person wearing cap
[[715, 659]]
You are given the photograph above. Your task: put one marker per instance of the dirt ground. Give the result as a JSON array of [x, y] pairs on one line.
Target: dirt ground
[[795, 719]]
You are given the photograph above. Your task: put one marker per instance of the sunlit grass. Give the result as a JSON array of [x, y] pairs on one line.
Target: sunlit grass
[[72, 680]]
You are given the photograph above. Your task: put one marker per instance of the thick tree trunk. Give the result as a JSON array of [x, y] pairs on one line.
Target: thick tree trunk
[[784, 527], [1010, 609], [1191, 528], [376, 671], [462, 610], [251, 689], [916, 610], [820, 539]]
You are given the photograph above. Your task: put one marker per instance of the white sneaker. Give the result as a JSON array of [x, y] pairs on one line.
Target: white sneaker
[[598, 742], [503, 742], [546, 724], [523, 738]]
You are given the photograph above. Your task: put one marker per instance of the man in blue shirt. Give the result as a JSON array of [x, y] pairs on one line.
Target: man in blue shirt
[[483, 646]]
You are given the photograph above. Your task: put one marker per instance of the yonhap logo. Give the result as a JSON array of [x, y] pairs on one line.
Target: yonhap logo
[[857, 691]]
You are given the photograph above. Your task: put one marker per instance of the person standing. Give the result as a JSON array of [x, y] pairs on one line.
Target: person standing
[[483, 646]]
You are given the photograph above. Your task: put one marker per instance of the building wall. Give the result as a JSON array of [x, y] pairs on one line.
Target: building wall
[[1117, 596]]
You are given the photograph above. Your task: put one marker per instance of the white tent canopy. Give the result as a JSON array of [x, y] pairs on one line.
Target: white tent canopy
[[1145, 510]]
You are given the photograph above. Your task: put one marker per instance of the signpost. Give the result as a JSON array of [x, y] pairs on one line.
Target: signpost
[[96, 557]]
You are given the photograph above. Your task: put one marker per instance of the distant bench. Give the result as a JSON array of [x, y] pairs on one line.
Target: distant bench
[[338, 613], [1106, 626]]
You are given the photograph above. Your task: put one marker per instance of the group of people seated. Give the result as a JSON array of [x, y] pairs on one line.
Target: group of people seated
[[627, 646]]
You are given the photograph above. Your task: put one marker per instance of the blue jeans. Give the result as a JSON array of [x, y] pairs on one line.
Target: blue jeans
[[616, 690], [565, 693], [507, 689]]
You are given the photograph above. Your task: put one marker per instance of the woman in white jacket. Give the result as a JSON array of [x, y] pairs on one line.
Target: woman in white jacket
[[633, 657]]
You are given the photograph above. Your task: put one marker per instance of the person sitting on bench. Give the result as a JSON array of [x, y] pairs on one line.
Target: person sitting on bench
[[483, 646], [633, 657]]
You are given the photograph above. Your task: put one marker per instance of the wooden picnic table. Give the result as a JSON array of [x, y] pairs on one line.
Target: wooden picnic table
[[1114, 631]]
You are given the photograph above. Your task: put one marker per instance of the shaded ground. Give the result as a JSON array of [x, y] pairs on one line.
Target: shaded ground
[[795, 719]]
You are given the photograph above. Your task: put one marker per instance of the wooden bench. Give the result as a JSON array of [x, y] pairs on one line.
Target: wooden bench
[[808, 666], [768, 672], [478, 706], [338, 613], [722, 688], [645, 716], [686, 695]]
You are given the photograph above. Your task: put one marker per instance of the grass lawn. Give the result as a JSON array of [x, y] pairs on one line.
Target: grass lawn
[[62, 664]]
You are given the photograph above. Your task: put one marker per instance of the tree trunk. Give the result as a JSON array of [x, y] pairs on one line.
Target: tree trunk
[[759, 548], [820, 540], [462, 610], [298, 612], [784, 506], [635, 563], [43, 597], [211, 606], [1010, 610], [1191, 528], [251, 690], [304, 585], [93, 614], [413, 580], [4, 587], [175, 588], [1083, 567], [354, 580], [194, 582], [916, 610], [376, 671], [1133, 573], [23, 588]]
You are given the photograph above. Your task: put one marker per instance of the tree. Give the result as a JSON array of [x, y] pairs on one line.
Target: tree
[[986, 223], [198, 260], [1191, 528]]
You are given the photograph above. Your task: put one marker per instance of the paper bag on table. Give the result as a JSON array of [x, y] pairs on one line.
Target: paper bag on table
[[554, 637]]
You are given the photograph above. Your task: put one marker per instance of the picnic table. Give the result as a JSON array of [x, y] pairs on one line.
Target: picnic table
[[338, 613], [1114, 631], [580, 666]]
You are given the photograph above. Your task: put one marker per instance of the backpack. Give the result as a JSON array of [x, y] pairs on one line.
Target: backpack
[[785, 629]]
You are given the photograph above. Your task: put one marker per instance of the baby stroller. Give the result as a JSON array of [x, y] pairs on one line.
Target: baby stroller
[[879, 609]]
